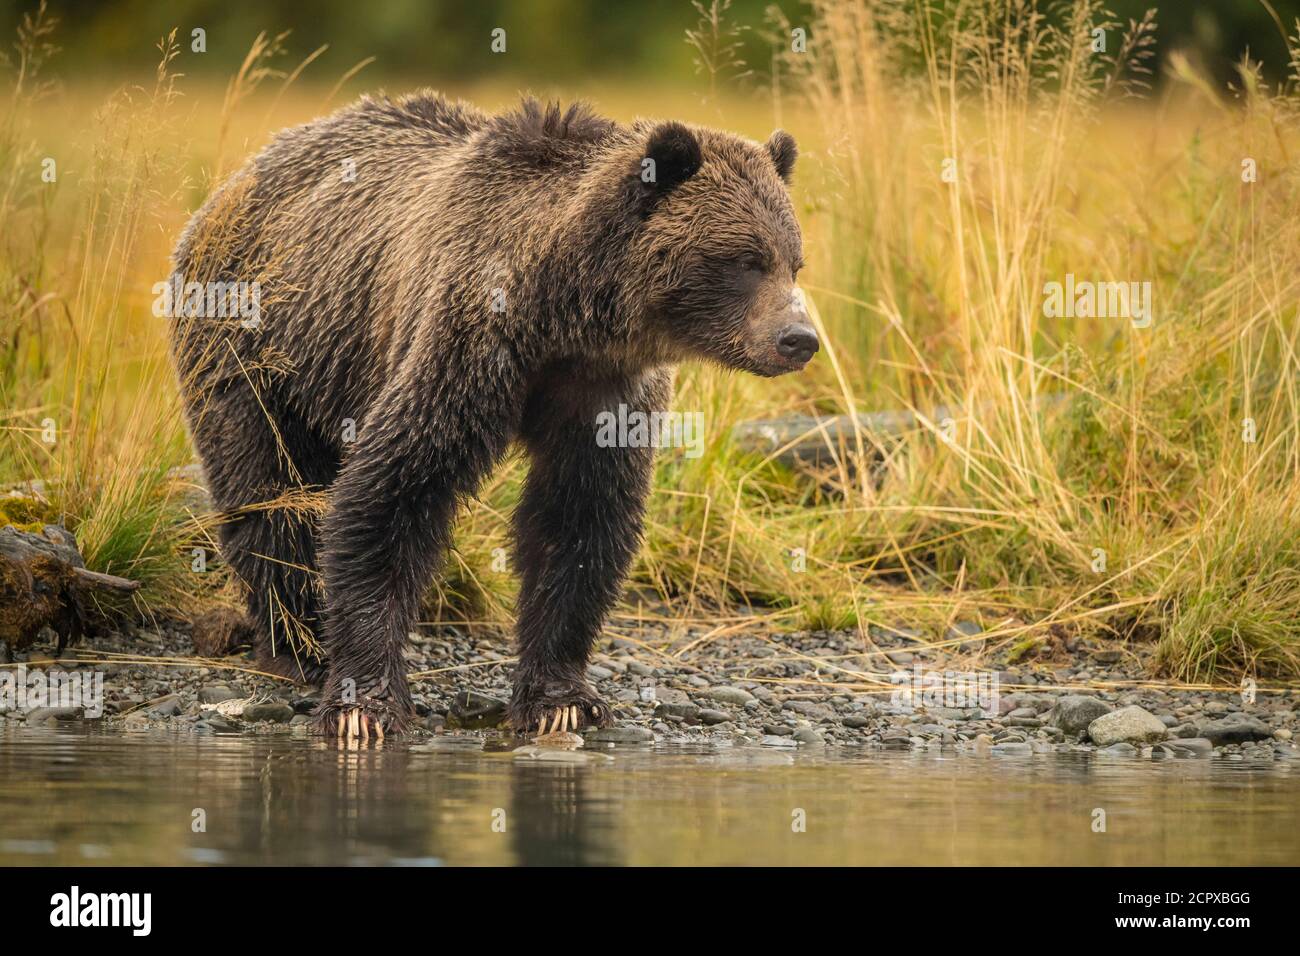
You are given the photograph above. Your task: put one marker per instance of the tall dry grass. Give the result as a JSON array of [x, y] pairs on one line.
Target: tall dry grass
[[1068, 438], [1073, 442], [89, 409]]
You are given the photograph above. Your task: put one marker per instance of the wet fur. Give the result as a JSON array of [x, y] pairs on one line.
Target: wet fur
[[375, 300]]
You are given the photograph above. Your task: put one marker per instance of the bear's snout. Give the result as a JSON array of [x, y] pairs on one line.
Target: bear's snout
[[797, 343]]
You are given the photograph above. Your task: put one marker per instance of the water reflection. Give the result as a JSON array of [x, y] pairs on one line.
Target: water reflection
[[90, 798]]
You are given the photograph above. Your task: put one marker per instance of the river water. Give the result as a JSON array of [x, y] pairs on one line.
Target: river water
[[71, 796]]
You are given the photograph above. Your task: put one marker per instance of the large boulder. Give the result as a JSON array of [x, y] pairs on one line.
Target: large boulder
[[1127, 725], [1233, 729]]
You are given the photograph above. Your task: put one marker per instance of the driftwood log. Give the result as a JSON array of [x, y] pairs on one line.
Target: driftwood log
[[825, 440], [44, 583], [822, 440]]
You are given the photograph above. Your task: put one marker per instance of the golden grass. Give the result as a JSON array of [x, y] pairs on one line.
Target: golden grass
[[1068, 436]]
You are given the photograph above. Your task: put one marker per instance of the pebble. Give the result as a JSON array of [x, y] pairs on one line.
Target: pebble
[[809, 709], [168, 706], [806, 735], [216, 693], [1015, 749], [39, 715], [274, 712], [730, 695], [703, 700], [1121, 749], [476, 711], [686, 712], [620, 735]]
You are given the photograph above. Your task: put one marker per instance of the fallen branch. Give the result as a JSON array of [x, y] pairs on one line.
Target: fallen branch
[[43, 583]]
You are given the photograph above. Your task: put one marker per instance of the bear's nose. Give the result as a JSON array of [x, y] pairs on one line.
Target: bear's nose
[[797, 342]]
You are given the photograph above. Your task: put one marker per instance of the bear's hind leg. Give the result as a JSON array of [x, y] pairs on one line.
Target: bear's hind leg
[[263, 469], [577, 529]]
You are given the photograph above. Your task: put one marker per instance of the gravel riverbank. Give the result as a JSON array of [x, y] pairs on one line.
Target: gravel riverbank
[[809, 690]]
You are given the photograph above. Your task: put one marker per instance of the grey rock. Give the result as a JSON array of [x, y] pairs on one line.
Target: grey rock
[[1014, 749], [730, 695], [771, 740], [807, 708], [963, 630], [1074, 713], [711, 717], [275, 712], [1192, 746], [1121, 749], [669, 695], [476, 711], [955, 713], [218, 724], [1024, 722], [1233, 729], [808, 736], [619, 735], [688, 712], [168, 706], [39, 714], [1127, 725], [216, 693]]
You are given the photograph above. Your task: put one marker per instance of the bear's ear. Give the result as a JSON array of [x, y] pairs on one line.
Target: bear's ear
[[672, 156], [781, 147]]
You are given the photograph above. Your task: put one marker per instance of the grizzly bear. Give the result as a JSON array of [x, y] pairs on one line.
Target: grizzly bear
[[432, 284]]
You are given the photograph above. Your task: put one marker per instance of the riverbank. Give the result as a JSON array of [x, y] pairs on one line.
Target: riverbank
[[673, 684]]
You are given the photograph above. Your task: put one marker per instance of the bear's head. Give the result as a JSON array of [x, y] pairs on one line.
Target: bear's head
[[722, 249]]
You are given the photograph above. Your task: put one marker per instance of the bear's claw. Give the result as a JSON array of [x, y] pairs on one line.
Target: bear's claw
[[355, 720], [557, 709], [566, 719], [370, 720]]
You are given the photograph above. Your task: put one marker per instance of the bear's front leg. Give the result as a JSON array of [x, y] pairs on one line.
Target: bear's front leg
[[429, 440], [577, 529]]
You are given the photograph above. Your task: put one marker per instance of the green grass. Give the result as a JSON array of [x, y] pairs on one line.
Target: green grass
[[1070, 436]]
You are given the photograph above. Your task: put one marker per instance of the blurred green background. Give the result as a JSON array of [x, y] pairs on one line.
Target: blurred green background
[[547, 40]]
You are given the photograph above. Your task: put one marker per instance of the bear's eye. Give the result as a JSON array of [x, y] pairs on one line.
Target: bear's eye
[[751, 263]]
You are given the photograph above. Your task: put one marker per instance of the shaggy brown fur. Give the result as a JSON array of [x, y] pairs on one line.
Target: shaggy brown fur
[[441, 282]]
